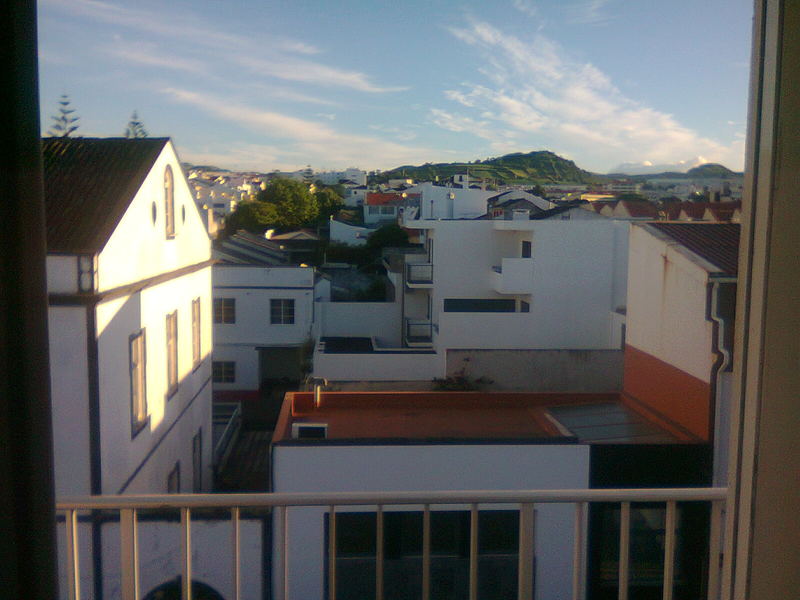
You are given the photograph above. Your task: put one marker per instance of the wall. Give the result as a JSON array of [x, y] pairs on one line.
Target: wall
[[138, 248], [70, 399], [378, 366], [541, 370], [361, 319], [173, 421], [466, 204], [343, 233], [440, 467], [62, 274]]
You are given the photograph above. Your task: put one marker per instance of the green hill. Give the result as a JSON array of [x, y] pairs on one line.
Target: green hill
[[520, 168], [712, 171]]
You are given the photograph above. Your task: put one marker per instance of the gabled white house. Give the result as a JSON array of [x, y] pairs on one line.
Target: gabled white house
[[129, 282]]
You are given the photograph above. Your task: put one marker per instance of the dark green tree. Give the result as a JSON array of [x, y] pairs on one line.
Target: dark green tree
[[294, 204], [64, 123], [328, 202], [255, 217], [388, 236], [135, 128]]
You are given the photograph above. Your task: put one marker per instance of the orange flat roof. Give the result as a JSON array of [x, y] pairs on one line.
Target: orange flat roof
[[419, 416]]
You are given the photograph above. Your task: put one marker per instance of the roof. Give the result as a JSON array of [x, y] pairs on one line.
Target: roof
[[247, 248], [468, 417], [718, 243], [638, 209], [89, 184], [300, 234], [694, 210], [387, 198], [557, 210]]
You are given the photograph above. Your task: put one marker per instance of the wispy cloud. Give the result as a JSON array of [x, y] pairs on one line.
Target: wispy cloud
[[537, 95], [589, 12], [312, 140], [526, 7]]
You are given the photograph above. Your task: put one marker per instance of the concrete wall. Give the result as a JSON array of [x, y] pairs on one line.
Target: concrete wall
[[380, 320], [466, 204], [378, 366], [541, 370], [138, 248], [62, 274], [343, 233], [440, 467]]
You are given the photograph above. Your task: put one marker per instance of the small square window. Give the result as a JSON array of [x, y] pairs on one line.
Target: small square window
[[225, 310], [174, 479], [223, 371], [524, 306], [281, 311]]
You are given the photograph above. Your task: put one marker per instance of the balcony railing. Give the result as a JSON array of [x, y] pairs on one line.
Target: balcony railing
[[128, 508], [418, 332], [419, 274], [227, 421]]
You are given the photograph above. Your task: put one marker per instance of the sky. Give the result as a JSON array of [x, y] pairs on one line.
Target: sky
[[373, 84]]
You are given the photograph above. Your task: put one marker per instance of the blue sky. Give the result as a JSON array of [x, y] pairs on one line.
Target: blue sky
[[264, 85]]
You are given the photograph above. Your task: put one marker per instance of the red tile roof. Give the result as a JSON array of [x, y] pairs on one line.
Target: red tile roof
[[387, 198], [638, 209], [718, 243], [88, 185]]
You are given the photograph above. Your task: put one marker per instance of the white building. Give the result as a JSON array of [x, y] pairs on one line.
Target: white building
[[440, 202], [129, 278], [548, 287], [357, 176]]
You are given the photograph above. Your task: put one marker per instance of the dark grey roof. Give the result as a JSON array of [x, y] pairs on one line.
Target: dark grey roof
[[718, 243], [89, 184]]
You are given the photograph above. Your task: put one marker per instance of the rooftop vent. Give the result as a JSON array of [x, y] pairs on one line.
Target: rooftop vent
[[309, 431]]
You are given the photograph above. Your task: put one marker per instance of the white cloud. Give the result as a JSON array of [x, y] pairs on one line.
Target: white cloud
[[526, 7], [537, 94], [589, 12]]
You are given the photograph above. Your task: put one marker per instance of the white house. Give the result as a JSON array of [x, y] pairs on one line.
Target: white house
[[440, 202], [357, 176]]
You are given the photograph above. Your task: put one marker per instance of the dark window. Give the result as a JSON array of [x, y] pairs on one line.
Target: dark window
[[374, 210], [174, 479], [196, 329], [169, 202], [525, 251], [138, 382], [498, 541], [387, 210], [281, 311], [225, 310], [197, 462], [223, 371], [524, 306], [479, 305], [172, 353]]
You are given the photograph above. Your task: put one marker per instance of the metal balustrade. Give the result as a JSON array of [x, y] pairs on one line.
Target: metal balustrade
[[526, 501], [421, 273]]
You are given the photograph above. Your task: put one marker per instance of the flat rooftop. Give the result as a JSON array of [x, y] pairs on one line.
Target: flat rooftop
[[468, 417]]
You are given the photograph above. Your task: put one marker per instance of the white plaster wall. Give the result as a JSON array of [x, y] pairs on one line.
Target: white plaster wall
[[466, 204], [253, 275], [62, 274], [343, 233], [362, 319], [173, 421], [138, 248], [379, 366], [70, 399], [667, 296], [440, 467], [247, 366]]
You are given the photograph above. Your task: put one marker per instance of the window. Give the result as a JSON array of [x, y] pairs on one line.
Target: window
[[498, 551], [281, 311], [387, 210], [374, 210], [525, 251], [196, 331], [524, 306], [172, 353], [479, 305], [138, 382], [174, 479], [223, 371], [197, 462], [225, 310], [169, 202]]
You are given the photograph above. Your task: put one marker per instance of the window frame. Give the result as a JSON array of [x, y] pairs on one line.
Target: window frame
[[218, 371], [285, 316], [224, 311], [197, 461], [174, 475], [197, 330], [172, 353], [169, 203], [140, 416]]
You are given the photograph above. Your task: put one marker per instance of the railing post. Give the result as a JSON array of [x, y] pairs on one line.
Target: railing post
[[186, 547], [473, 552], [129, 555], [624, 549], [332, 554], [426, 552], [577, 552], [527, 538], [284, 553], [669, 550], [235, 542], [715, 550], [379, 553], [73, 564]]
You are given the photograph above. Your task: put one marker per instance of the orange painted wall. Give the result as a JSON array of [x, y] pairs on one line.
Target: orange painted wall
[[665, 389]]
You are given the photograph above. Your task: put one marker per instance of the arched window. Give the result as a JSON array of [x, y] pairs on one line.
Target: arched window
[[169, 202]]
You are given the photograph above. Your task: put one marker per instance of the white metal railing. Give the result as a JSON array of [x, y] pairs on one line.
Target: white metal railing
[[419, 273], [227, 421], [127, 506]]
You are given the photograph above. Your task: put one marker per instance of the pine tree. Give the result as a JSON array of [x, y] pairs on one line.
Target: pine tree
[[135, 128], [64, 123]]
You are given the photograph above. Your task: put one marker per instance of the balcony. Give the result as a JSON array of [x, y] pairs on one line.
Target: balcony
[[418, 333], [513, 276], [419, 275], [218, 559]]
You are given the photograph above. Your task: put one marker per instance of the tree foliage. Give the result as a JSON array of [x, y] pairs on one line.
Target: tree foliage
[[388, 236], [135, 128], [293, 203], [65, 122], [328, 202], [255, 217]]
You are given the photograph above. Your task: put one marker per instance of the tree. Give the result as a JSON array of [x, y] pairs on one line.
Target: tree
[[388, 236], [255, 217], [328, 202], [64, 123], [294, 205], [135, 128]]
